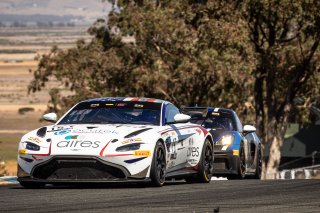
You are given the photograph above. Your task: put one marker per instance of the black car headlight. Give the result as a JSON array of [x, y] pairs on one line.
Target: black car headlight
[[129, 147], [225, 140], [32, 146]]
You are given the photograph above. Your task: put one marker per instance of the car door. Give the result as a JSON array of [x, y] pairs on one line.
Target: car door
[[176, 145]]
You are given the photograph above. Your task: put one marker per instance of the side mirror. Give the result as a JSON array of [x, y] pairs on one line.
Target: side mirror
[[51, 117], [181, 118], [248, 129]]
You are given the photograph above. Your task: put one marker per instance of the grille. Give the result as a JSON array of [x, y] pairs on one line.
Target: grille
[[220, 163], [77, 169]]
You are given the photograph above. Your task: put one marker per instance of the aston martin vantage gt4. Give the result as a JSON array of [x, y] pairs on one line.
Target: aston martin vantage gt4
[[116, 140]]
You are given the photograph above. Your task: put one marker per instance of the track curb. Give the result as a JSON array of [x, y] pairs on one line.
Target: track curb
[[311, 172], [6, 180]]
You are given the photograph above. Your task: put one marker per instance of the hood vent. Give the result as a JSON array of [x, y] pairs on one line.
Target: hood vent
[[42, 132], [91, 127], [135, 133]]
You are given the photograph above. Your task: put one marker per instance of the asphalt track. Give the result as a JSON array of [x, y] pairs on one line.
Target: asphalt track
[[218, 196]]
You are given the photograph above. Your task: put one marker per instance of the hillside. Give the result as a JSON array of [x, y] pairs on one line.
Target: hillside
[[78, 11]]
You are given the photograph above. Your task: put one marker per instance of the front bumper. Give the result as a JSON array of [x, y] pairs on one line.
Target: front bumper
[[79, 169], [225, 163]]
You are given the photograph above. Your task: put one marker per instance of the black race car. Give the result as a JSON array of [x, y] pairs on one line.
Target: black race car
[[237, 148]]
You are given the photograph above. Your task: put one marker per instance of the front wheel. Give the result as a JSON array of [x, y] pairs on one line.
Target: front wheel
[[158, 166], [241, 166]]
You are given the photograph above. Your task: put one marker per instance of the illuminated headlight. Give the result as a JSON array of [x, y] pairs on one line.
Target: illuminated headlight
[[129, 147], [225, 140], [32, 146]]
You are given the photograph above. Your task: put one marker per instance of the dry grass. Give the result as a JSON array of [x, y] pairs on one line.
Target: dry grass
[[15, 78], [12, 127], [11, 167], [17, 68]]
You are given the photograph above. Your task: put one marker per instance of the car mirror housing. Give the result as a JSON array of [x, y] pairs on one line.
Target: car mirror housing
[[181, 118], [51, 117], [248, 129]]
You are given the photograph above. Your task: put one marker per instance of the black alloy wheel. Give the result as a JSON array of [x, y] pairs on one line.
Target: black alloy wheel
[[258, 164], [242, 165], [158, 168], [205, 168]]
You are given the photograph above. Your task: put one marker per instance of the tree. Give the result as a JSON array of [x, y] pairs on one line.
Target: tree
[[286, 38], [186, 52], [255, 56]]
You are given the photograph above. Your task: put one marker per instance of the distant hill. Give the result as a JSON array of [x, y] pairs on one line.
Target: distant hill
[[77, 11]]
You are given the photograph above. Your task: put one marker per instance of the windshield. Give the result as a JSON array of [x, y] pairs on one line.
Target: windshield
[[218, 121], [118, 112]]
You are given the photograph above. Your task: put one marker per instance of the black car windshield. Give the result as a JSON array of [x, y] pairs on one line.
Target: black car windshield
[[118, 112], [219, 121]]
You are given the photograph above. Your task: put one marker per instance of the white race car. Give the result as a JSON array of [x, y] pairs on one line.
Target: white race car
[[116, 140]]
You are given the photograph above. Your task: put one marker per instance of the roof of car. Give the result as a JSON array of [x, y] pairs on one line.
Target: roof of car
[[151, 100], [214, 109]]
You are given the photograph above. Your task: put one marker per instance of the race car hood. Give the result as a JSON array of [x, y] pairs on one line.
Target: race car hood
[[89, 139]]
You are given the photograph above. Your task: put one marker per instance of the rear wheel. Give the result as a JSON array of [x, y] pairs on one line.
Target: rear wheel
[[158, 166], [258, 164], [205, 168], [32, 185]]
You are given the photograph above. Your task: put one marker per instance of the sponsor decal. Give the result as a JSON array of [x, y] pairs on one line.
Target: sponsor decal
[[138, 105], [235, 152], [62, 132], [131, 140], [102, 131], [190, 141], [58, 128], [22, 151], [78, 144], [34, 139], [142, 153], [193, 152], [70, 137], [94, 105], [121, 104]]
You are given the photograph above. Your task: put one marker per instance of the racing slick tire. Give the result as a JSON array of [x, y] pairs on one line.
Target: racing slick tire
[[257, 174], [241, 166], [205, 164], [158, 165], [32, 185]]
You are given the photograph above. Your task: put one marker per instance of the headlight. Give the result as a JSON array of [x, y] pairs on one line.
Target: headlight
[[225, 140], [32, 146], [129, 147]]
